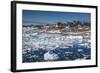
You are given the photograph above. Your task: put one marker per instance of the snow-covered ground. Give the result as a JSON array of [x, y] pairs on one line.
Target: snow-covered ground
[[40, 47]]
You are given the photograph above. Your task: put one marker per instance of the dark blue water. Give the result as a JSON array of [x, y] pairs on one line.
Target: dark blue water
[[64, 54]]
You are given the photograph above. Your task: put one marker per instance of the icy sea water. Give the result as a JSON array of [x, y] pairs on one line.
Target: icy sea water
[[43, 47]]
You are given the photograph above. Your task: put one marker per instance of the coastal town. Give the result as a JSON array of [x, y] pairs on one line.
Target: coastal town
[[64, 28]]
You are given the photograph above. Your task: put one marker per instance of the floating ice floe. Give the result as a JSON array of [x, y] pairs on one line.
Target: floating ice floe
[[50, 56]]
